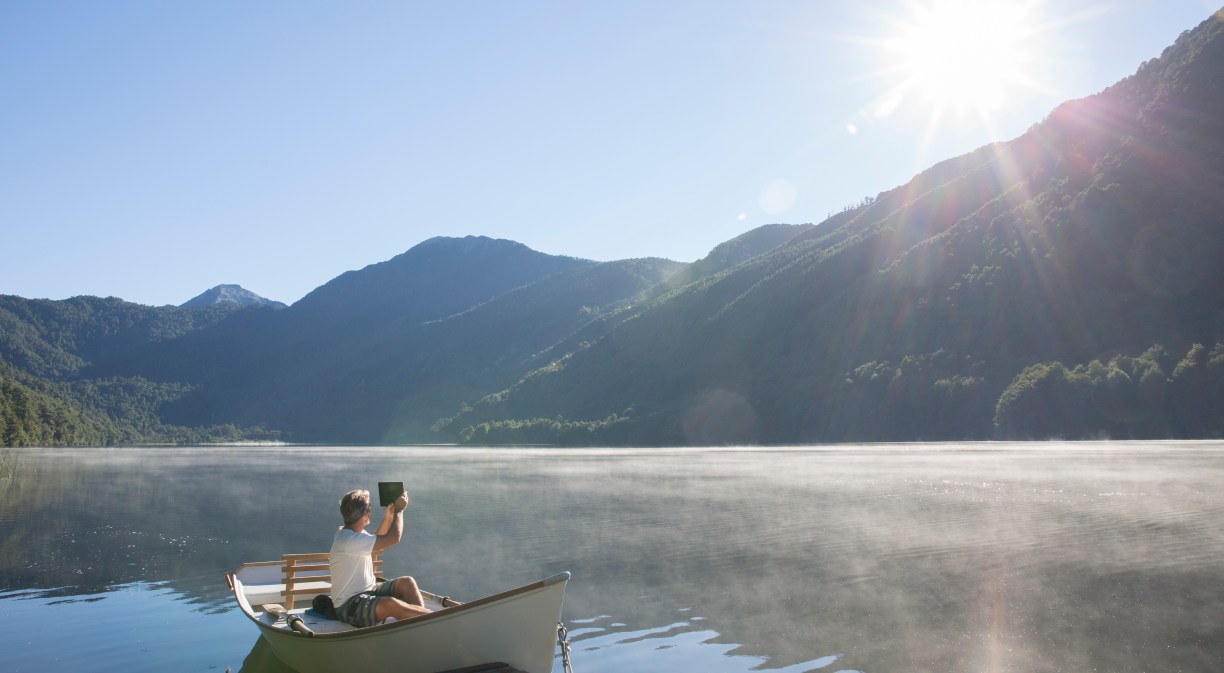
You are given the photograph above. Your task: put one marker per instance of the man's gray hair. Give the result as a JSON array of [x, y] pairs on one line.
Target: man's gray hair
[[354, 505]]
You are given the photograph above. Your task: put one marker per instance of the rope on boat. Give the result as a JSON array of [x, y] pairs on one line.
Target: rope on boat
[[563, 641]]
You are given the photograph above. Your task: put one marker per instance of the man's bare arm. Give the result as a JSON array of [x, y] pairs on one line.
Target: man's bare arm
[[394, 524], [386, 522]]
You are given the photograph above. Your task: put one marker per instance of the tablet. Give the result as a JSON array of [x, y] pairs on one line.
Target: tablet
[[388, 491]]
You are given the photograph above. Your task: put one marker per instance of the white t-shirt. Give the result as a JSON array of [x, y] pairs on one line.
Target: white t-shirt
[[352, 569]]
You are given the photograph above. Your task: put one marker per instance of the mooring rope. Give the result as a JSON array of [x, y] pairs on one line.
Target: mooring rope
[[563, 641]]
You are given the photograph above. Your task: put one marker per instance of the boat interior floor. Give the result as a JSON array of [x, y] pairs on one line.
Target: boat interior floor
[[320, 624]]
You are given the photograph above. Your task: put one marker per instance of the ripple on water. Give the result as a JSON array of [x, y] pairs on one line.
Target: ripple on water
[[679, 646]]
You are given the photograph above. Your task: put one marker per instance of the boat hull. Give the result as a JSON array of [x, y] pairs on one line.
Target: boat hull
[[518, 628]]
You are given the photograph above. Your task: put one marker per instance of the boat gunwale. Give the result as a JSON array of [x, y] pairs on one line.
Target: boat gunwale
[[234, 583]]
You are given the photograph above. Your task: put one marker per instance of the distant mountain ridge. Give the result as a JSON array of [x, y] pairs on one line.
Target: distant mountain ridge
[[230, 294], [435, 278], [1063, 284], [380, 354]]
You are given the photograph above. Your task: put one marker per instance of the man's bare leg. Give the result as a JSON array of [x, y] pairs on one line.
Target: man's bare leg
[[406, 590], [394, 607]]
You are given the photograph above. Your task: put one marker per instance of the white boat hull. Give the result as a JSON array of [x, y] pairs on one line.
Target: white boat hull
[[518, 628]]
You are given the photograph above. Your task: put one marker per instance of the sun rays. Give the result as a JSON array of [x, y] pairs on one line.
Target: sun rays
[[950, 63], [961, 55]]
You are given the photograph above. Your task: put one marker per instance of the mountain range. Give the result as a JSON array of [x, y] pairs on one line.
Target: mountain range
[[1063, 284]]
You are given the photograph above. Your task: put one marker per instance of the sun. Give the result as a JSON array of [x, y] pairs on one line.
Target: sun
[[964, 54]]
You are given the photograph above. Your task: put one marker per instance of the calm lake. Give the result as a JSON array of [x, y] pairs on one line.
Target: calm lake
[[940, 558]]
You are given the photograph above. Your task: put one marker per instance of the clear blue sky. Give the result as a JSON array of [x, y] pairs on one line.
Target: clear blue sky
[[152, 150]]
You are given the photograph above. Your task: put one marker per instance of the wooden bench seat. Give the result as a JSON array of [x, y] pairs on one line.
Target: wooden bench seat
[[310, 575]]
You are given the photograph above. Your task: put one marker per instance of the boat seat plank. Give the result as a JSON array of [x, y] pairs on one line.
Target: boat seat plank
[[310, 575]]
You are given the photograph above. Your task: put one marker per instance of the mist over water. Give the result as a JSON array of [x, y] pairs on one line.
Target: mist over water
[[959, 557]]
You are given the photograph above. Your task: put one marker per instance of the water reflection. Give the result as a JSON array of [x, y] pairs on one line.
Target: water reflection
[[134, 627], [679, 646], [263, 660], [933, 558]]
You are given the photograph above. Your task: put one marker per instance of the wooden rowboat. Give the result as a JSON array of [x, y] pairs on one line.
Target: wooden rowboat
[[517, 627]]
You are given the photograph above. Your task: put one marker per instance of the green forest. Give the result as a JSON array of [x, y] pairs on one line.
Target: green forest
[[97, 413], [1064, 284]]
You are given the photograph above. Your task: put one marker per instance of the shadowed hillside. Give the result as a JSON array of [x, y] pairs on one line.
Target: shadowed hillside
[[1091, 240]]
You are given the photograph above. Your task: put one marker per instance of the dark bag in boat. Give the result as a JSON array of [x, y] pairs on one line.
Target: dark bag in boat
[[322, 604]]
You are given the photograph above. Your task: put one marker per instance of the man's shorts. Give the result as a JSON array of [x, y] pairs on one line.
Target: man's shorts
[[359, 609]]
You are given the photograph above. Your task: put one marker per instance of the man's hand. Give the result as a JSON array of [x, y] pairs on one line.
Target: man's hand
[[401, 503]]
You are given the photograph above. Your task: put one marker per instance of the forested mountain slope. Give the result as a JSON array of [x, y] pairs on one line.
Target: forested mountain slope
[[345, 374], [1073, 268], [50, 393], [376, 355]]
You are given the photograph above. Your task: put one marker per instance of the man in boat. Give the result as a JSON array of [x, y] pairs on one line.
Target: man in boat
[[360, 600]]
